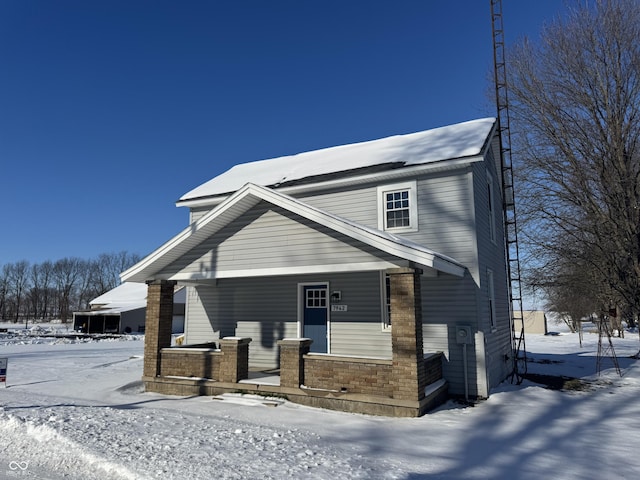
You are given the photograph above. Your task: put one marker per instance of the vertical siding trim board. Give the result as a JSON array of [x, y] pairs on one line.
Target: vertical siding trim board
[[474, 267]]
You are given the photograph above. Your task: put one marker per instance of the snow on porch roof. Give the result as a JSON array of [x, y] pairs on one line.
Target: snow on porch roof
[[149, 268], [126, 297], [444, 143], [125, 293]]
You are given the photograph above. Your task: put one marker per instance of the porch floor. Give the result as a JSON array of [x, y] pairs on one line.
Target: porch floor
[[263, 377]]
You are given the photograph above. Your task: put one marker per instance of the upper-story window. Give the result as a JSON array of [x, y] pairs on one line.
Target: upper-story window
[[397, 207]]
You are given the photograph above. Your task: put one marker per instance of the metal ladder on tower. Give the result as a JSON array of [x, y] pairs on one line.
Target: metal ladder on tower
[[519, 357]]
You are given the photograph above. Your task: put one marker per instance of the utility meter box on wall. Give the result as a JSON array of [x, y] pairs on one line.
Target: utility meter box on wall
[[463, 334]]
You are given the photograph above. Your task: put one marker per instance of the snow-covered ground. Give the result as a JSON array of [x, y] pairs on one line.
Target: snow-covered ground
[[76, 410]]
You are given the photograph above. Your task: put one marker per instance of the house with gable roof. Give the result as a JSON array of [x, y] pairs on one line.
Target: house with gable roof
[[368, 277]]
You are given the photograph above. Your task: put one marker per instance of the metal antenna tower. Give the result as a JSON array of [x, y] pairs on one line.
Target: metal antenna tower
[[508, 194], [606, 351]]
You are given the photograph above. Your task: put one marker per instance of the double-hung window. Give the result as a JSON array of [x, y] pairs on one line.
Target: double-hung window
[[397, 207]]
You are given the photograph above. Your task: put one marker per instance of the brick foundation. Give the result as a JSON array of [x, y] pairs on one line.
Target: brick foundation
[[191, 362], [347, 374]]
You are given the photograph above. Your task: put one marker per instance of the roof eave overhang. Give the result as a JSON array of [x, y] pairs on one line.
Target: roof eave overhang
[[349, 181], [249, 195]]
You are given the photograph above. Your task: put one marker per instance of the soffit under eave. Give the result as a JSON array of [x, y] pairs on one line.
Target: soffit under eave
[[189, 238]]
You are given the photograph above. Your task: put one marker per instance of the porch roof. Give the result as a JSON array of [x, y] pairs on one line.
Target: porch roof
[[250, 195]]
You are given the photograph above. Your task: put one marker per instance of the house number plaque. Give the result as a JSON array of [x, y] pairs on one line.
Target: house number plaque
[[338, 308]]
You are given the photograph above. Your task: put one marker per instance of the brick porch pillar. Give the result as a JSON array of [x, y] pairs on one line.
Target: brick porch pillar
[[291, 362], [408, 378], [235, 359], [159, 316]]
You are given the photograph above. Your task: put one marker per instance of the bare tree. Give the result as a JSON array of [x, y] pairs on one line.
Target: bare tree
[[49, 290], [4, 290], [66, 273], [109, 267], [575, 109], [18, 281]]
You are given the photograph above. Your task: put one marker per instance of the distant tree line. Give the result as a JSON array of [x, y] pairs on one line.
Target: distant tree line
[[55, 289]]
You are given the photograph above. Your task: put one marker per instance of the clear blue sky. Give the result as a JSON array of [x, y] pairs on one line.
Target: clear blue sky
[[111, 110]]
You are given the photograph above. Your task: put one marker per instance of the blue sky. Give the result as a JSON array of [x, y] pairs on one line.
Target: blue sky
[[111, 110]]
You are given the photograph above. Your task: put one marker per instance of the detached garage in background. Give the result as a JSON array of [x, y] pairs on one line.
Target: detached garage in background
[[123, 310], [535, 321]]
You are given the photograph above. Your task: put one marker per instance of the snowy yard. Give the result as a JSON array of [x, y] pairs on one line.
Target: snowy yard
[[76, 410]]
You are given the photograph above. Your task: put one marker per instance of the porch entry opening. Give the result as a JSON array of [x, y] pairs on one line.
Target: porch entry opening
[[315, 316]]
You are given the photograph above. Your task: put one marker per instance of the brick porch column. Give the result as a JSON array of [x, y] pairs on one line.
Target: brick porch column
[[157, 331], [408, 377], [235, 359], [291, 362]]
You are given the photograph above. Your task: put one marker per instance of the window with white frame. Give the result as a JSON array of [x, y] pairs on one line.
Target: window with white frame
[[492, 298], [397, 207], [491, 208], [316, 298], [385, 287]]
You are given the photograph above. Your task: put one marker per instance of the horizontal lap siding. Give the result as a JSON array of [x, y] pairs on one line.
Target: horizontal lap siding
[[492, 255], [445, 219], [448, 301], [358, 205], [196, 213], [201, 304], [269, 237], [358, 331], [266, 310]]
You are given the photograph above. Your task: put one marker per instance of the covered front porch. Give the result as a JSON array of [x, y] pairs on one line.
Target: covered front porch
[[408, 384]]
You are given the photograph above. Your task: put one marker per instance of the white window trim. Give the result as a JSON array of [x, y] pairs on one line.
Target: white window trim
[[412, 187], [384, 314], [492, 208], [491, 296]]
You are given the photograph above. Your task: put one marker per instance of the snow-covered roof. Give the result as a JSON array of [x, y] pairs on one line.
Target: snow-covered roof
[[125, 293], [248, 196], [444, 143], [126, 297]]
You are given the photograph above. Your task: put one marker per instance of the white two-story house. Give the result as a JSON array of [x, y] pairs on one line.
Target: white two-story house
[[368, 277]]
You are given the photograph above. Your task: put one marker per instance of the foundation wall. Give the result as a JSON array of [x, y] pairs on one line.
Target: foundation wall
[[346, 374]]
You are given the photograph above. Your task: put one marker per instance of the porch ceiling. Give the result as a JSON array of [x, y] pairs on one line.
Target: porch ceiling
[[393, 251]]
